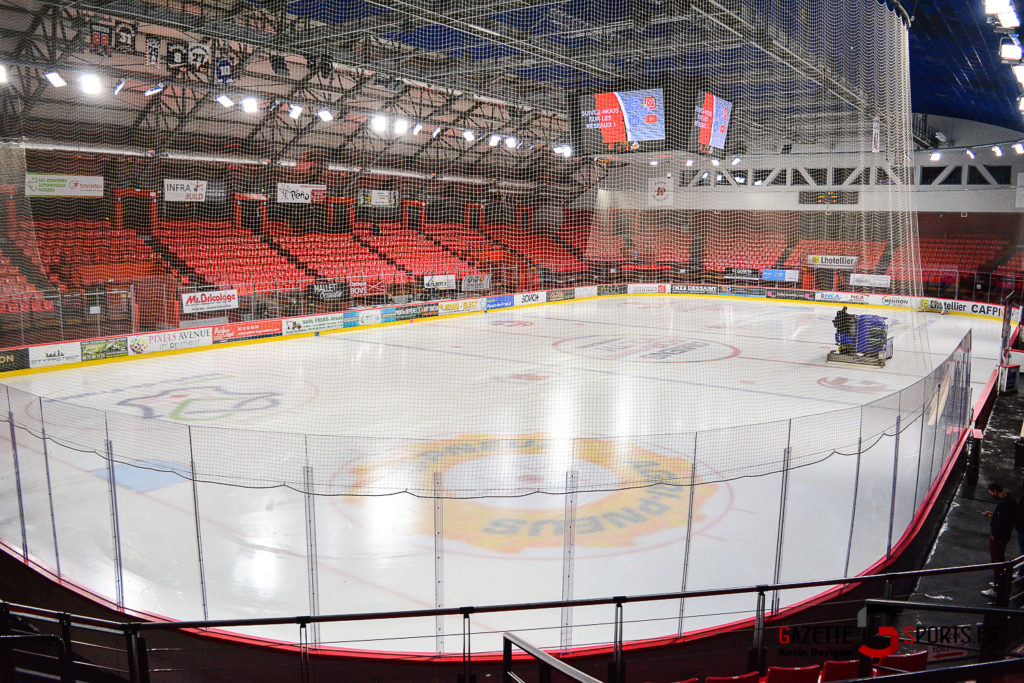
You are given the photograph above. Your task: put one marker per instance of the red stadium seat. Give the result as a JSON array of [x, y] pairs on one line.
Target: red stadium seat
[[793, 674], [752, 677], [839, 670], [911, 661]]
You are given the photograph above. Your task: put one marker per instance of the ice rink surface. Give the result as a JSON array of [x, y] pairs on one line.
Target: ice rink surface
[[492, 411]]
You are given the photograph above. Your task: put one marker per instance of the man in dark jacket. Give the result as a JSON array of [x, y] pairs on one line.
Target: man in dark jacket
[[1000, 528]]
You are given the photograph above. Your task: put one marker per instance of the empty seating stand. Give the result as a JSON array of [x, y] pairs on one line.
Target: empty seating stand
[[336, 256], [17, 295], [413, 251], [540, 249], [870, 253], [944, 258], [742, 248], [230, 256]]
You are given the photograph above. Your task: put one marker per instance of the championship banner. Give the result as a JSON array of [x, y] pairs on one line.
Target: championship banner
[[476, 283], [47, 185], [868, 280], [201, 302], [829, 261], [294, 193], [659, 192], [184, 190], [445, 282]]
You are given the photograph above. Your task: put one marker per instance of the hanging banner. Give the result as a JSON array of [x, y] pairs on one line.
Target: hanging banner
[[377, 198], [152, 51], [438, 282], [224, 72], [124, 37], [659, 192], [830, 261], [869, 280], [47, 185], [100, 39], [177, 55], [361, 288], [201, 302], [295, 193], [476, 283], [184, 190], [199, 57], [772, 275], [876, 135]]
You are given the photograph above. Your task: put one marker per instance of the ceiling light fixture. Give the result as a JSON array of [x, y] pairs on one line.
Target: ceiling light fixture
[[90, 84], [250, 105], [295, 111], [224, 101], [55, 79], [325, 115], [401, 126], [379, 123], [117, 88]]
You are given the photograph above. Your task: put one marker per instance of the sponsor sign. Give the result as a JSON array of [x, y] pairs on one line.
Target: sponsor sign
[[105, 348], [561, 294], [791, 294], [476, 283], [377, 198], [531, 298], [495, 302], [953, 306], [363, 288], [387, 315], [694, 289], [461, 306], [742, 291], [855, 298], [216, 191], [200, 302], [742, 274], [648, 289], [901, 301], [170, 340], [445, 282], [586, 292], [659, 192], [13, 359], [608, 290], [52, 185], [370, 317], [313, 323], [868, 280], [407, 312], [295, 193], [329, 291], [253, 329], [771, 275], [176, 190], [829, 261], [54, 354]]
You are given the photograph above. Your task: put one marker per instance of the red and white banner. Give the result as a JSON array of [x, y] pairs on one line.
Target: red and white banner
[[245, 330], [295, 193], [49, 185], [363, 288], [201, 302]]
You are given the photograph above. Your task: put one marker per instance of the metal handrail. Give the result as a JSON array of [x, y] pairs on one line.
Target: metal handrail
[[547, 662]]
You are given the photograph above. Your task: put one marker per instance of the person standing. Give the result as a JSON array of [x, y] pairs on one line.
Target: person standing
[[1003, 519]]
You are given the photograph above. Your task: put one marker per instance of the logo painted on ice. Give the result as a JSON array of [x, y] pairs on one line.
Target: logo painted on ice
[[644, 348], [203, 403]]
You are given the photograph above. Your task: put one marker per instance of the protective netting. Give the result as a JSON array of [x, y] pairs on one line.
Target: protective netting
[[211, 169]]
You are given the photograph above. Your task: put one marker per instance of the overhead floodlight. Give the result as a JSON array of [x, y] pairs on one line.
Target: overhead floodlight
[[970, 153], [705, 176], [3, 74], [996, 6], [401, 126], [224, 100], [379, 123], [742, 180], [567, 151], [1018, 71], [295, 111], [715, 162], [159, 87], [250, 105], [1008, 19], [1018, 147], [437, 131], [469, 135], [736, 161], [511, 142], [417, 128], [997, 150], [494, 140], [90, 84], [689, 162], [1010, 50], [654, 162], [55, 79], [325, 115], [117, 88], [556, 150], [935, 156]]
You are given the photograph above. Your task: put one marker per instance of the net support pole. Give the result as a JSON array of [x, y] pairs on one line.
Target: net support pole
[[311, 554], [920, 459], [115, 524], [856, 492], [199, 526], [49, 486], [438, 561], [689, 536], [780, 537], [893, 490], [17, 481], [568, 555]]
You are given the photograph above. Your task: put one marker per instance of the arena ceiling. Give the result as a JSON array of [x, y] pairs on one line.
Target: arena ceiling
[[498, 67]]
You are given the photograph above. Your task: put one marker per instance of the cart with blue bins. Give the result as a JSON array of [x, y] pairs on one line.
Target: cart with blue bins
[[862, 340]]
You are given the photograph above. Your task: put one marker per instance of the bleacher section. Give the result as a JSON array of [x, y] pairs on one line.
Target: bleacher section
[[870, 253], [744, 249], [472, 246], [230, 256], [944, 258], [335, 255], [413, 251], [539, 248], [17, 295]]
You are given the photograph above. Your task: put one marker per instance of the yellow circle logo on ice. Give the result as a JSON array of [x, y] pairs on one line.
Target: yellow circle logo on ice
[[626, 493]]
